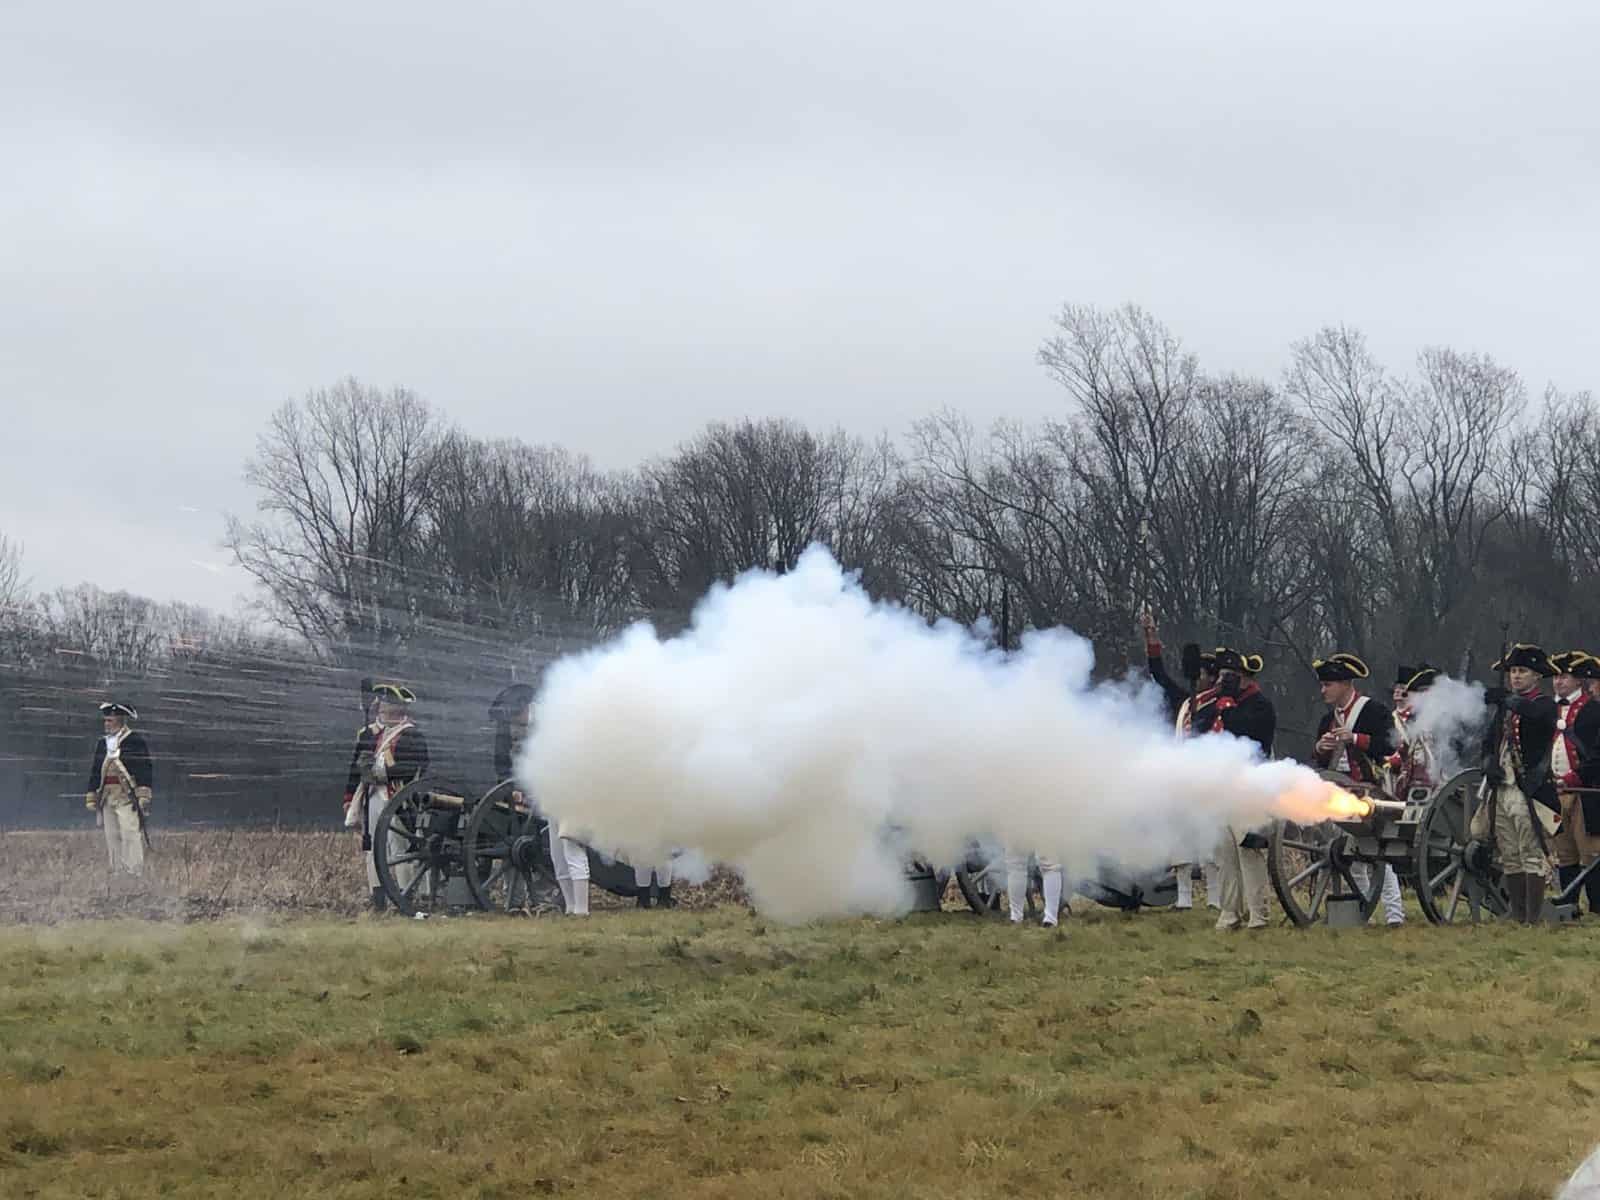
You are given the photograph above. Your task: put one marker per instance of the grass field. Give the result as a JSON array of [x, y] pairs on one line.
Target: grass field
[[714, 1054]]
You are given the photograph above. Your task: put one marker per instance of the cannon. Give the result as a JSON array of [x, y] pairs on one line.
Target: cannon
[[417, 848], [439, 851], [1424, 837]]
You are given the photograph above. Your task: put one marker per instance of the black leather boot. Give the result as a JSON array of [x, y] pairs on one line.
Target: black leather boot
[[643, 897], [1533, 898], [380, 900], [665, 900], [1516, 905]]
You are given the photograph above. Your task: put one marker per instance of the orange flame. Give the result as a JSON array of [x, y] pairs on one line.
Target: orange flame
[[1346, 806]]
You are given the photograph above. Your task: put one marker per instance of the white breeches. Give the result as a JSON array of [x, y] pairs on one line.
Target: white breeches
[[1243, 883], [124, 844], [570, 858], [403, 873], [1017, 886]]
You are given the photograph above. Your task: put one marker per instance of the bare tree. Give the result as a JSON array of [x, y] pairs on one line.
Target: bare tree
[[755, 494], [344, 479], [115, 631], [517, 533]]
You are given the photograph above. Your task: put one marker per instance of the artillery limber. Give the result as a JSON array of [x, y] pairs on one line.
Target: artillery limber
[[1424, 836]]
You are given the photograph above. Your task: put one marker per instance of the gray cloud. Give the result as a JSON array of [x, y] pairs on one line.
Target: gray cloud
[[604, 224]]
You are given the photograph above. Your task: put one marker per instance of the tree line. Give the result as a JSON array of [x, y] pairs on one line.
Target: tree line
[[1424, 513]]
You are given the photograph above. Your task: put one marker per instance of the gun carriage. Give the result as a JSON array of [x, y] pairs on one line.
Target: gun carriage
[[1424, 837], [437, 850]]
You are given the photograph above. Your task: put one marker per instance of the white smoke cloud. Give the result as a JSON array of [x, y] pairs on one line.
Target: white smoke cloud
[[1450, 715], [811, 739]]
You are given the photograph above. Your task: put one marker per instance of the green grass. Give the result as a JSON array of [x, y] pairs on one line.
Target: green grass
[[719, 1055]]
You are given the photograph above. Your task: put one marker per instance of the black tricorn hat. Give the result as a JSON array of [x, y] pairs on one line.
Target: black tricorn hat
[[1580, 664], [517, 696], [1340, 666], [1229, 659], [395, 692], [1422, 678], [1526, 654], [1403, 674], [112, 708]]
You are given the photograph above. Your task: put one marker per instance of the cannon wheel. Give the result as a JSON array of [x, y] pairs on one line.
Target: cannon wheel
[[417, 848], [507, 855], [1309, 863], [1444, 878], [983, 886]]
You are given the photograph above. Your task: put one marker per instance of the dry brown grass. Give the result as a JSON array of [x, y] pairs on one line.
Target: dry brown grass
[[59, 875], [715, 1055]]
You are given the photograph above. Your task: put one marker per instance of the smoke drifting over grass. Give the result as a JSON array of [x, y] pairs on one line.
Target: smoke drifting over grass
[[813, 740]]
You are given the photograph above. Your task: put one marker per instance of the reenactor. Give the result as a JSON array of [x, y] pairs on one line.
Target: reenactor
[[1357, 737], [1200, 669], [1237, 705], [1575, 763], [390, 753], [1413, 764], [1521, 805], [119, 792], [512, 715]]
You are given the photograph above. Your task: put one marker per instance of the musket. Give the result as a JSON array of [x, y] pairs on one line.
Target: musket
[[1491, 759]]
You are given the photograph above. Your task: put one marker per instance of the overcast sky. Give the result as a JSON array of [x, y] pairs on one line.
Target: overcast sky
[[604, 224]]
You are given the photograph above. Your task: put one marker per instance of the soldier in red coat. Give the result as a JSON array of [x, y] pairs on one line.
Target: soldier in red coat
[[1358, 736], [1575, 766]]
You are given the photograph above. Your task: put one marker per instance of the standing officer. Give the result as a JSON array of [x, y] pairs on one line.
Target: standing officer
[[119, 792], [1522, 805], [388, 756], [1575, 763], [1200, 669], [1237, 705], [1357, 737]]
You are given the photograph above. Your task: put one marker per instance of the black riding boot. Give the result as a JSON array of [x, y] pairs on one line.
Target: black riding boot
[[1516, 898], [644, 897], [1533, 898], [665, 900], [380, 899]]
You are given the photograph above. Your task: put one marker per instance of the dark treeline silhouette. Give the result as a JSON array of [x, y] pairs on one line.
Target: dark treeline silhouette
[[1408, 516]]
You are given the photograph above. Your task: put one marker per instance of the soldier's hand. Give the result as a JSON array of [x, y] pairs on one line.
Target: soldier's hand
[[91, 801], [1147, 625], [142, 796]]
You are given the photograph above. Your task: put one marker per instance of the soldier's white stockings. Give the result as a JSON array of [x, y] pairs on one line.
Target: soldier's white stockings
[[1053, 880], [1184, 874], [1394, 909], [1017, 887], [571, 861]]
